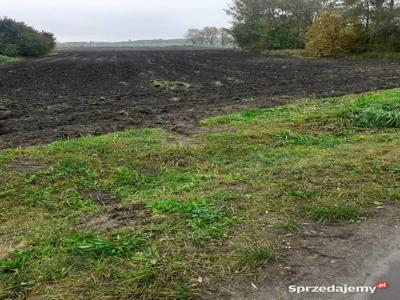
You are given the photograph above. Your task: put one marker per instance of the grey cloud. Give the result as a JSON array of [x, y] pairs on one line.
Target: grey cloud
[[116, 20]]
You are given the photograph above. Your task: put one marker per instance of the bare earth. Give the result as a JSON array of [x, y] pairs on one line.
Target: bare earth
[[99, 91]]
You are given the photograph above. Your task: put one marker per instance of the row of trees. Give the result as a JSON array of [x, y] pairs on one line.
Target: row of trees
[[18, 39], [325, 27], [209, 36]]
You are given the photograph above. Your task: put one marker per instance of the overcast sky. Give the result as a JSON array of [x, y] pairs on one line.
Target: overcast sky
[[117, 20]]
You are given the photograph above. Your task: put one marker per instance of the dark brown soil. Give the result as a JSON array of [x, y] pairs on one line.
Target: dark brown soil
[[92, 92]]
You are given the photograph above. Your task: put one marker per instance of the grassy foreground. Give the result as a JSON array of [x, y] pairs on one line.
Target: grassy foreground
[[143, 214]]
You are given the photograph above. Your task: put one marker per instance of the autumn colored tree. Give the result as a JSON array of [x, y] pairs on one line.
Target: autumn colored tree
[[331, 36]]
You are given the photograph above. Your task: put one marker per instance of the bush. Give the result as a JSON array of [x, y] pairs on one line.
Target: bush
[[18, 39], [282, 37], [331, 36], [264, 36], [386, 38], [9, 50], [248, 36]]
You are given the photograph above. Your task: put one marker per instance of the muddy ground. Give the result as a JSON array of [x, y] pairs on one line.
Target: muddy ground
[[99, 91], [354, 254]]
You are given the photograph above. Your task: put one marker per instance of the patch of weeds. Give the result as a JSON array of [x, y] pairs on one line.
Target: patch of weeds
[[76, 171], [6, 192], [204, 216], [331, 214], [41, 197], [265, 156], [250, 114], [395, 168], [289, 224], [55, 257], [245, 116], [36, 177], [132, 178], [251, 259], [178, 182], [287, 137], [223, 196], [16, 263], [300, 194], [170, 157], [62, 201], [30, 266], [126, 183], [378, 116], [372, 110], [6, 59], [121, 245], [206, 220], [200, 212], [182, 292]]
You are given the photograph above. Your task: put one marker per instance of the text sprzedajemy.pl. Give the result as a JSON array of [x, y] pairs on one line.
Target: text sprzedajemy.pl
[[342, 289]]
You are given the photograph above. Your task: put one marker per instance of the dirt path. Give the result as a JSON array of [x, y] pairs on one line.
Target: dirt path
[[94, 92], [358, 254]]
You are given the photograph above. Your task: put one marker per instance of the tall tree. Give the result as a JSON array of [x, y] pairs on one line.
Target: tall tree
[[273, 23]]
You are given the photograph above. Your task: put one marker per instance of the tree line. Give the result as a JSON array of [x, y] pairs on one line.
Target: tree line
[[209, 36], [324, 27], [19, 39]]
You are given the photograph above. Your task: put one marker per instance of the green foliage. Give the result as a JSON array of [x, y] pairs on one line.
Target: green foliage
[[260, 25], [262, 35], [76, 171], [209, 36], [285, 137], [380, 23], [132, 178], [333, 213], [289, 224], [328, 29], [254, 258], [5, 59], [200, 212], [378, 116], [90, 244], [282, 36], [18, 39]]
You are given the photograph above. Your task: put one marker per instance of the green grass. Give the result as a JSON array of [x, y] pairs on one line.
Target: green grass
[[6, 59], [208, 209], [332, 214]]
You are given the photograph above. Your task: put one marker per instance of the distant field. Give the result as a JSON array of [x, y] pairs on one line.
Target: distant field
[[98, 91], [138, 43], [149, 214]]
